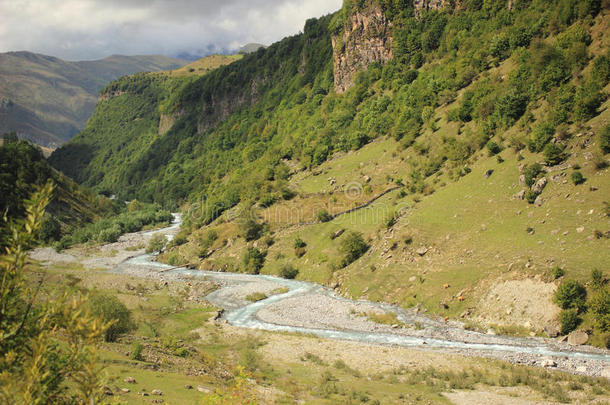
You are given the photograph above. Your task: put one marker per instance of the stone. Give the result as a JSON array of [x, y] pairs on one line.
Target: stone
[[522, 180], [490, 331], [578, 337], [367, 179], [547, 362], [593, 188], [157, 392], [605, 373], [395, 326], [129, 380], [520, 195], [338, 233], [422, 251], [539, 185], [412, 279], [580, 229], [125, 390], [203, 389], [108, 391], [188, 386], [552, 330], [488, 173], [538, 202], [581, 369]]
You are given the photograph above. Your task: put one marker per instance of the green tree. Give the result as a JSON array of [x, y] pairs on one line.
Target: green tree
[[571, 294], [568, 320], [113, 311], [253, 260], [353, 247], [47, 343], [156, 243]]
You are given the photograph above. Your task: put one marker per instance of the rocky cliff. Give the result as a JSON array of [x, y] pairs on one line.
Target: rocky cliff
[[366, 39]]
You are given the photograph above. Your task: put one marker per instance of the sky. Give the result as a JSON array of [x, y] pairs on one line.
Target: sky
[[93, 29]]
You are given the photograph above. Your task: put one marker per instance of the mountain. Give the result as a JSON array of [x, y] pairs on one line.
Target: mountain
[[446, 156], [48, 100], [250, 48]]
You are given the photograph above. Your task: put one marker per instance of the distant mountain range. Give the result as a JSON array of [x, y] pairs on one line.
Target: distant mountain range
[[49, 100]]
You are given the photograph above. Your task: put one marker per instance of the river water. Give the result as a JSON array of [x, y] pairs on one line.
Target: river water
[[430, 334]]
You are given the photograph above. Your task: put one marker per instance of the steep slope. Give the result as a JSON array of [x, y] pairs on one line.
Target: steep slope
[[23, 168], [48, 100], [449, 137]]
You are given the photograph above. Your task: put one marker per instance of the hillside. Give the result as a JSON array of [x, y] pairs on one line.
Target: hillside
[[48, 100], [23, 169], [445, 158]]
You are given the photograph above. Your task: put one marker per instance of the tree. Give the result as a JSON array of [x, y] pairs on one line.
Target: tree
[[47, 344], [156, 243], [253, 260], [571, 294], [353, 247]]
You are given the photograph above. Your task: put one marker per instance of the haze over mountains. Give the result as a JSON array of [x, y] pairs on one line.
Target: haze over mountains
[[48, 100]]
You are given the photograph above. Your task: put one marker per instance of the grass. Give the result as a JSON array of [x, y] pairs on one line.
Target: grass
[[257, 296]]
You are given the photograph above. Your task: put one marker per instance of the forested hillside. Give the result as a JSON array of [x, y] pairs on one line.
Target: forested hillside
[[444, 157]]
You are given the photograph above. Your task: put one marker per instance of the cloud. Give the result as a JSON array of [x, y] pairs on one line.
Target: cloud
[[91, 29]]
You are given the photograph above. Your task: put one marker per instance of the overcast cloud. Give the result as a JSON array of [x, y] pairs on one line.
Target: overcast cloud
[[92, 29]]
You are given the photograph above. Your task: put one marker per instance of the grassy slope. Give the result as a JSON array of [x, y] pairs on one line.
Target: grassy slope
[[51, 99]]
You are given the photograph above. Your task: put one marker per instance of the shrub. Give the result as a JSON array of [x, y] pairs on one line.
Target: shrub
[[568, 320], [288, 271], [530, 196], [493, 148], [324, 216], [253, 260], [577, 178], [604, 139], [558, 272], [251, 230], [136, 351], [156, 243], [571, 294], [553, 154], [109, 235], [299, 243], [600, 308], [110, 308], [597, 278], [50, 230], [353, 247], [300, 251], [541, 135], [531, 172]]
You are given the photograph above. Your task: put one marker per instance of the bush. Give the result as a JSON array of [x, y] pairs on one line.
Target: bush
[[324, 216], [251, 230], [353, 247], [604, 139], [541, 135], [531, 173], [50, 230], [288, 271], [577, 178], [600, 308], [553, 154], [253, 261], [109, 235], [597, 278], [136, 351], [493, 148], [571, 294], [558, 272], [110, 308], [156, 244], [299, 243], [530, 196], [568, 320]]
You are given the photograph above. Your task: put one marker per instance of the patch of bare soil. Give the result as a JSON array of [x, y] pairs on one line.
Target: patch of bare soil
[[526, 302]]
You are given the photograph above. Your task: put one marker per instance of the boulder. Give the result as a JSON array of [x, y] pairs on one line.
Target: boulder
[[188, 386], [422, 251], [157, 392], [578, 337], [522, 180], [108, 391], [538, 201], [539, 185], [367, 179], [520, 195], [203, 389], [548, 362], [129, 380], [488, 173], [125, 390]]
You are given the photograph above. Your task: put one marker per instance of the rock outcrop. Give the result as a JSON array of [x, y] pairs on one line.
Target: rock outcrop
[[366, 39]]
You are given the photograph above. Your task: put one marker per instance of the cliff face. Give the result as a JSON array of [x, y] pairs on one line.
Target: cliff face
[[367, 38]]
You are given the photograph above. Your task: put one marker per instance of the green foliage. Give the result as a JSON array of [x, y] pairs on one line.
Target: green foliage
[[558, 272], [324, 216], [47, 343], [251, 230], [568, 320], [604, 139], [577, 178], [156, 243], [571, 294], [531, 173], [493, 148], [136, 351], [299, 243], [599, 306], [113, 311], [352, 247], [597, 278], [288, 271], [540, 137], [50, 230], [253, 260], [553, 154]]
